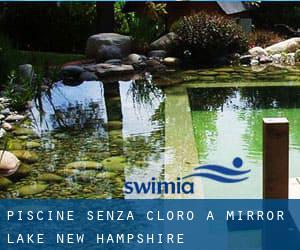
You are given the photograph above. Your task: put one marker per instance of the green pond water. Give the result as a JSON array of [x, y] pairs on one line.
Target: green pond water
[[85, 141], [227, 123]]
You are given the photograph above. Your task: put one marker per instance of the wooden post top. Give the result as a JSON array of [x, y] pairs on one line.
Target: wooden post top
[[279, 120]]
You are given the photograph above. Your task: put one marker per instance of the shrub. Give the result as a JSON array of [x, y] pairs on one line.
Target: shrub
[[210, 36], [263, 38]]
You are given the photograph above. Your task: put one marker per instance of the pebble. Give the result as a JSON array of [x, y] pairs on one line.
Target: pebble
[[5, 111], [7, 126], [13, 118]]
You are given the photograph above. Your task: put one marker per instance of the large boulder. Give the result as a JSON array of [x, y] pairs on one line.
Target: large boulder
[[107, 46], [287, 46], [9, 163], [157, 53], [166, 42]]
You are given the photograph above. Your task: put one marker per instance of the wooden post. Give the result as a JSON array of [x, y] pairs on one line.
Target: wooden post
[[275, 158]]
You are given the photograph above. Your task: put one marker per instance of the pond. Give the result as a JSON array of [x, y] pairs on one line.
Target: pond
[[233, 128], [85, 141]]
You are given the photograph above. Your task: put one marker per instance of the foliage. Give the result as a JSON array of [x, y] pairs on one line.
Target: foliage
[[210, 36], [21, 90], [122, 19], [143, 27], [263, 38], [11, 58]]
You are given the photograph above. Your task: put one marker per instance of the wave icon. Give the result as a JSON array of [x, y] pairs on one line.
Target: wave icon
[[221, 173]]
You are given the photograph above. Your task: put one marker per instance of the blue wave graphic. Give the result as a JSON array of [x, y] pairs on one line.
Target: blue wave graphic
[[223, 170], [216, 177], [222, 173]]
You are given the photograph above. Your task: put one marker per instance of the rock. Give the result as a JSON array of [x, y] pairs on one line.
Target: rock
[[157, 53], [103, 69], [14, 118], [223, 77], [207, 73], [106, 175], [109, 52], [7, 126], [24, 131], [4, 183], [111, 42], [50, 178], [89, 165], [6, 111], [9, 163], [26, 156], [23, 171], [245, 60], [25, 71], [15, 144], [167, 42], [265, 59], [134, 59], [72, 71], [2, 132], [254, 62], [114, 61], [287, 46], [2, 117], [297, 56], [86, 176], [115, 163], [114, 125], [290, 59], [257, 51], [32, 189], [206, 78], [277, 58], [88, 76], [171, 61], [32, 144], [154, 65], [292, 78], [258, 68], [68, 172]]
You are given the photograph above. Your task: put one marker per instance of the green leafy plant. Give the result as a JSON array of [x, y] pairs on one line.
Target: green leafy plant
[[210, 36], [147, 26], [21, 90]]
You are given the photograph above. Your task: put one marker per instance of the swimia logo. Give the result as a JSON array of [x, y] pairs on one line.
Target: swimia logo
[[216, 173]]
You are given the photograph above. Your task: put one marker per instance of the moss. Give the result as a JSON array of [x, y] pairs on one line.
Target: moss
[[84, 165], [26, 156], [32, 189], [4, 183], [115, 163], [50, 178]]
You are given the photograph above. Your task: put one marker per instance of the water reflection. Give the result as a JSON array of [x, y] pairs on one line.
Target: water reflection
[[228, 123], [113, 123]]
